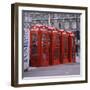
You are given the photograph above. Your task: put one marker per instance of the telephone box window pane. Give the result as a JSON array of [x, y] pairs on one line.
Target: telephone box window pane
[[45, 46], [34, 38], [57, 40], [34, 49], [44, 40], [56, 54], [65, 47], [45, 54]]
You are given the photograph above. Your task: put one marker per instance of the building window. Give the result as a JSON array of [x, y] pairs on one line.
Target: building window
[[66, 25], [73, 25]]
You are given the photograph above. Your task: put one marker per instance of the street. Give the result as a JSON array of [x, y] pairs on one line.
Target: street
[[55, 70]]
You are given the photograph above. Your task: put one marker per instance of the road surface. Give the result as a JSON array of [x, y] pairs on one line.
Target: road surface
[[55, 70]]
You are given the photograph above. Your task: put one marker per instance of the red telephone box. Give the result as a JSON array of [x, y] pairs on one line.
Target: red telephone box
[[64, 45], [34, 46], [54, 46], [39, 46], [71, 47]]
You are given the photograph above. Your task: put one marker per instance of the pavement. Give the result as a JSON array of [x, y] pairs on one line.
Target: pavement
[[55, 70]]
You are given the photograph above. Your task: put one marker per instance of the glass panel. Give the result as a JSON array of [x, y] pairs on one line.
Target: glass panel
[[65, 47], [44, 40], [45, 54], [44, 46], [56, 54], [34, 48], [34, 38], [57, 40], [57, 46]]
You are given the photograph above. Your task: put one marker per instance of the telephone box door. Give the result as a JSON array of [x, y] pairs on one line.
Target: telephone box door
[[64, 47], [34, 48], [44, 48]]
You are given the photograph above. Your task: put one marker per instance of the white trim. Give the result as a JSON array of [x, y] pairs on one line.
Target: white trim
[[52, 78]]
